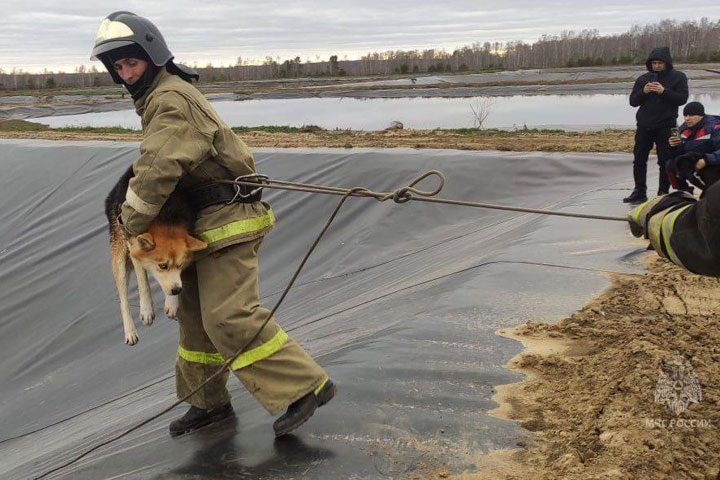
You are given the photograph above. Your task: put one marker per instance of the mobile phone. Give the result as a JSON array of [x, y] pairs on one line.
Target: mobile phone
[[653, 77], [675, 132]]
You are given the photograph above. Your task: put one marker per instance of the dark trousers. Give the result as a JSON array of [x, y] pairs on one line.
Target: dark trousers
[[644, 140]]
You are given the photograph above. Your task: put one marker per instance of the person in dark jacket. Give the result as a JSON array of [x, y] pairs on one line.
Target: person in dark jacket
[[658, 93], [695, 149]]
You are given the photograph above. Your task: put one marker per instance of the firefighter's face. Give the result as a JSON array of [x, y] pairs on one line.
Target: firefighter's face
[[130, 69]]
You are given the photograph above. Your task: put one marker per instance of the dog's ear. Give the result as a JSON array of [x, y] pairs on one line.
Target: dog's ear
[[194, 244], [146, 241]]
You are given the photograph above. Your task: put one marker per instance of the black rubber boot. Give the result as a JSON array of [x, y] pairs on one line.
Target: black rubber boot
[[300, 411], [196, 418], [636, 197]]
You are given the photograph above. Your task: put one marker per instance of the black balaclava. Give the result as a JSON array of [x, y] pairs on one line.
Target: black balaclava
[[694, 108], [141, 86]]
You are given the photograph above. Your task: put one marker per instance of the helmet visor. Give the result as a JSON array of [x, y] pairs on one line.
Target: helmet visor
[[106, 47]]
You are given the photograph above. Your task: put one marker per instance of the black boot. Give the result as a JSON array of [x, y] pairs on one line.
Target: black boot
[[300, 411], [196, 418], [636, 197]]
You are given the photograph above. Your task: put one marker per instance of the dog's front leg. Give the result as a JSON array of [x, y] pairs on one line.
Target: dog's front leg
[[147, 313], [120, 269], [172, 302]]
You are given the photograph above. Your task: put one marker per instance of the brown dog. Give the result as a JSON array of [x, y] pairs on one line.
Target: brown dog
[[164, 250]]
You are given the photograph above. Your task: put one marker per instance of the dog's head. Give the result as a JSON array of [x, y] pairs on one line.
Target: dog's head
[[165, 252]]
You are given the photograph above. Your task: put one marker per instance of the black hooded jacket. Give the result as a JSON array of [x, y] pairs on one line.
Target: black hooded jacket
[[659, 110]]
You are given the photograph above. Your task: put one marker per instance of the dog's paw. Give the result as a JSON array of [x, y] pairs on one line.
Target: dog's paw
[[131, 338], [172, 302], [147, 316]]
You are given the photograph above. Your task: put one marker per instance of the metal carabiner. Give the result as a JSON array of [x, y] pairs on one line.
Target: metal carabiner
[[238, 193]]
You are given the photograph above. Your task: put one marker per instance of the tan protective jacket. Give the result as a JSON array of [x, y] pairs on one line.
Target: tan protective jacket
[[185, 144]]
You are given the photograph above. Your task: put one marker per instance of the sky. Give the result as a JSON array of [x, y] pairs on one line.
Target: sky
[[59, 35]]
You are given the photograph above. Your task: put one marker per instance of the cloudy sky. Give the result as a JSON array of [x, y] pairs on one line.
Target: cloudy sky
[[59, 35]]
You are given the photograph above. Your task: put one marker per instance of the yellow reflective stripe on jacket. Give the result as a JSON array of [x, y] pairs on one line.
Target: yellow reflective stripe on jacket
[[654, 231], [263, 351], [634, 214], [200, 357], [668, 224], [232, 229]]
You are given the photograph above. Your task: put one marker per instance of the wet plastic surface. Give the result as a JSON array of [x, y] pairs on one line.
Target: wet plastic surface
[[400, 303]]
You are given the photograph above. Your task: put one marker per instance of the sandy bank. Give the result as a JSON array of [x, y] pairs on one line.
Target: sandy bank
[[590, 394]]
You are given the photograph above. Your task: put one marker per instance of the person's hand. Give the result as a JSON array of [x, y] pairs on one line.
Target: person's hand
[[674, 141], [647, 88], [656, 87], [700, 164]]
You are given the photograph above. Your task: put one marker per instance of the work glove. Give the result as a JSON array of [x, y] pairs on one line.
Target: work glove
[[639, 216]]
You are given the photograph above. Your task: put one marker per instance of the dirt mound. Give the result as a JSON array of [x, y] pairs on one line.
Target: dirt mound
[[593, 395]]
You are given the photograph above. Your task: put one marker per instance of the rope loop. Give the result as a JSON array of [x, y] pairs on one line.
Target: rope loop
[[405, 194], [431, 193]]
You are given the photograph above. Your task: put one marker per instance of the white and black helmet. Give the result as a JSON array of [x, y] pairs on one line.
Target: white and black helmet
[[120, 29]]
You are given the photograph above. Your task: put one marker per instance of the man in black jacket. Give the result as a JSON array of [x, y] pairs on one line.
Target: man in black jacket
[[658, 93]]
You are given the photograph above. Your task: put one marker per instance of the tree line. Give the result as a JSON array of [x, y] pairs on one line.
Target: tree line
[[689, 41]]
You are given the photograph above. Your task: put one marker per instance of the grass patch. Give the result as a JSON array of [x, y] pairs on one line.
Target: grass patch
[[500, 132], [25, 126], [96, 130], [279, 129], [51, 92], [21, 126]]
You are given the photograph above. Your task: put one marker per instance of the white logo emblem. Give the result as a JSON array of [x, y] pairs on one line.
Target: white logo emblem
[[678, 386], [109, 29]]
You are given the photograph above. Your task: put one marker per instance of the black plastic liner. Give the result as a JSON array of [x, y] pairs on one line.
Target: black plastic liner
[[400, 303]]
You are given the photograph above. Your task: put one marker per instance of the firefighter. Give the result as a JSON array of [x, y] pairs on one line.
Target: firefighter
[[682, 229], [185, 145]]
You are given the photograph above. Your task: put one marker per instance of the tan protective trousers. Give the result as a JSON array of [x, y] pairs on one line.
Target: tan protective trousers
[[219, 313]]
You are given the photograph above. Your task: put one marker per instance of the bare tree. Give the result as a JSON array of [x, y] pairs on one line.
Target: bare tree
[[480, 107]]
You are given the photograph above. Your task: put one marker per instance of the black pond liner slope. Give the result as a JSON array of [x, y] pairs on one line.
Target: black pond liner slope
[[400, 303]]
